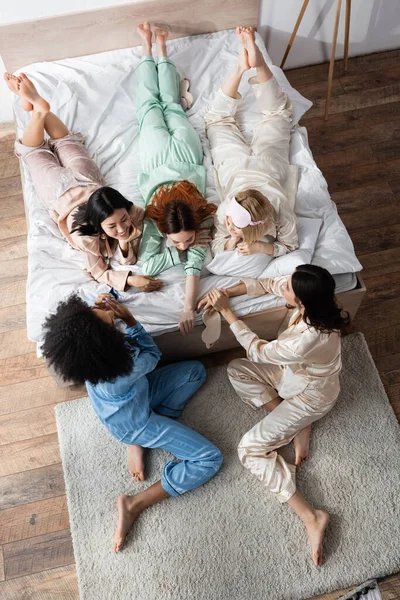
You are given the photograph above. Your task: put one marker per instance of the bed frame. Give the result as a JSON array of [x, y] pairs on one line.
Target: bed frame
[[92, 32]]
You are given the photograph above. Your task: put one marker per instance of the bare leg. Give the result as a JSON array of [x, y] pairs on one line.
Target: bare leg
[[144, 30], [315, 521], [273, 404], [161, 41], [302, 445], [231, 84], [34, 132], [55, 127], [247, 38], [136, 462], [130, 507]]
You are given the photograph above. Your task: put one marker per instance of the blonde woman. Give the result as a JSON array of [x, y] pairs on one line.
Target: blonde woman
[[256, 182]]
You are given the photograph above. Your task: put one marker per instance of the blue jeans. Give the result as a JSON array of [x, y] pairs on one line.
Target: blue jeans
[[170, 387]]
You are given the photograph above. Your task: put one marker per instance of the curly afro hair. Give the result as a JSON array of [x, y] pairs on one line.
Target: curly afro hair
[[81, 347]]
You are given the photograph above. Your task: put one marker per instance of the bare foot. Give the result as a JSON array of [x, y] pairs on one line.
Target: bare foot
[[144, 30], [302, 445], [315, 529], [13, 84], [128, 512], [247, 38], [161, 41], [243, 61], [136, 462], [28, 92]]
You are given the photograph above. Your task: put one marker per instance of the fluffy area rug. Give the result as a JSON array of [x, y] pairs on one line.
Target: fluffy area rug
[[231, 538]]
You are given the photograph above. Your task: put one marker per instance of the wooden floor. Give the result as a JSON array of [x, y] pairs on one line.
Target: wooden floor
[[358, 150]]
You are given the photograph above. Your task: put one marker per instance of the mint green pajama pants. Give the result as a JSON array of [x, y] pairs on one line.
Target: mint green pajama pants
[[170, 148]]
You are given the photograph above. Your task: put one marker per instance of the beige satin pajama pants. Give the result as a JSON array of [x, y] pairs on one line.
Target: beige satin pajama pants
[[256, 385]]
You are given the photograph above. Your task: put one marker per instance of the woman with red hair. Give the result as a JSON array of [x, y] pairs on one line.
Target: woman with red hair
[[178, 219]]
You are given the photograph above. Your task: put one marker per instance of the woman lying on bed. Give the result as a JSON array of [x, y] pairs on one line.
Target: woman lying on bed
[[178, 218], [295, 377], [94, 219], [125, 388], [256, 182]]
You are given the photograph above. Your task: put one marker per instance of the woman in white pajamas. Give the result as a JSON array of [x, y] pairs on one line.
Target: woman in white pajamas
[[296, 377], [256, 182]]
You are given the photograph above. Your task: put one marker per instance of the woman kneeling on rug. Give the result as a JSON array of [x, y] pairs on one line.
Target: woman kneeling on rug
[[302, 365], [83, 345]]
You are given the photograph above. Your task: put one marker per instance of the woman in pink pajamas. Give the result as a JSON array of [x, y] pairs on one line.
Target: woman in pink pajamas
[[93, 218]]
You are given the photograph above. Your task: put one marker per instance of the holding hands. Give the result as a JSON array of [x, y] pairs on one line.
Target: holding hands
[[216, 299]]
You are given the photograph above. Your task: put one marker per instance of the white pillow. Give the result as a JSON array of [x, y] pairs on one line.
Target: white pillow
[[307, 230], [232, 264]]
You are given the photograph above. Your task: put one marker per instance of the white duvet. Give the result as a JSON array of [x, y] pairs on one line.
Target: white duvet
[[96, 95]]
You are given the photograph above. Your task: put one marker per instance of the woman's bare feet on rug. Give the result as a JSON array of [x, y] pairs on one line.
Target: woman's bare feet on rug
[[316, 526], [161, 41], [130, 507], [128, 512], [144, 30], [29, 93], [136, 462], [302, 445], [12, 82]]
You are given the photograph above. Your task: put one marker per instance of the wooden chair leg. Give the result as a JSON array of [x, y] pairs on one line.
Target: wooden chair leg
[[332, 63], [299, 19], [347, 35]]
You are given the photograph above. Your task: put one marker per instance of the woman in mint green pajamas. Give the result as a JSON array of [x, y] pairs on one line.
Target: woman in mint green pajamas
[[173, 179]]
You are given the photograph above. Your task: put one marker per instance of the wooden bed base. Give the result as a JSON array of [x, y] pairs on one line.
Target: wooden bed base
[[91, 32]]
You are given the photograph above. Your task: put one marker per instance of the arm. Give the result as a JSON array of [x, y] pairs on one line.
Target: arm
[[154, 261], [188, 316], [276, 352], [96, 265]]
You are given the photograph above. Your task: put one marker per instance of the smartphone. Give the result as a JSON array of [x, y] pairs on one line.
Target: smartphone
[[114, 293]]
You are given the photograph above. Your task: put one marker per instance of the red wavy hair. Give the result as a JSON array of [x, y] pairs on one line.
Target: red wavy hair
[[179, 207]]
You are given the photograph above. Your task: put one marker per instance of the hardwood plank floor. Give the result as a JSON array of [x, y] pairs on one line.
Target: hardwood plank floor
[[358, 151]]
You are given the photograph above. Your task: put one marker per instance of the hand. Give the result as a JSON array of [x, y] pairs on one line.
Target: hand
[[202, 239], [124, 247], [219, 299], [205, 302], [246, 248], [232, 242], [145, 284], [120, 311], [187, 320]]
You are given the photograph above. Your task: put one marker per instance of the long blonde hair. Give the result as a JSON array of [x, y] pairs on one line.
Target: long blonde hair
[[259, 208]]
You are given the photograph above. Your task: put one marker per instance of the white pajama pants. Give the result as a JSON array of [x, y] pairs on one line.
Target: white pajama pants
[[271, 136], [256, 384]]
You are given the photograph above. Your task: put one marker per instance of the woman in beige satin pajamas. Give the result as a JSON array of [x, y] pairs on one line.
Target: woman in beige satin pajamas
[[256, 182], [296, 377]]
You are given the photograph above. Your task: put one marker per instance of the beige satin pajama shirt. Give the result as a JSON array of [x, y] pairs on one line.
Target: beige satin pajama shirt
[[263, 165], [302, 366]]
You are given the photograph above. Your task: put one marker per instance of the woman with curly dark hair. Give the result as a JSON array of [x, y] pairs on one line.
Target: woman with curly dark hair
[[178, 218], [296, 377], [119, 369]]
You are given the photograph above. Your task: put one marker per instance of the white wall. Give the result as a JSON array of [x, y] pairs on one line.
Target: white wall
[[375, 26]]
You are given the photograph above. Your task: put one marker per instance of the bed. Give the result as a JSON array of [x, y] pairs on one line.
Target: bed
[[95, 94]]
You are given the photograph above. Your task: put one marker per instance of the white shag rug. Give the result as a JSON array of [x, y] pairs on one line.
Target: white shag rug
[[231, 539]]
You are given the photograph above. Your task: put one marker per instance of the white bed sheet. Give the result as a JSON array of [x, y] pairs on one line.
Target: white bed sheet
[[96, 95]]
